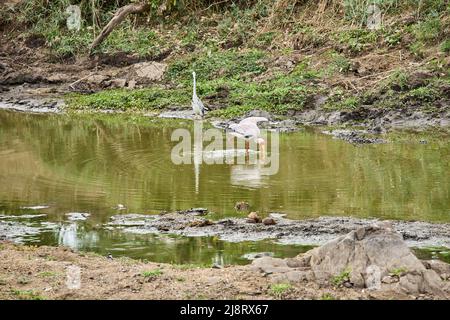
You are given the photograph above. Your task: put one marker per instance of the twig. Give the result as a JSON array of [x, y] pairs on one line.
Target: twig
[[213, 4], [81, 79]]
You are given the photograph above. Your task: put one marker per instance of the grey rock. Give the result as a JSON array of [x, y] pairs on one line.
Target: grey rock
[[269, 221], [269, 265], [372, 246], [390, 279], [440, 267], [258, 113]]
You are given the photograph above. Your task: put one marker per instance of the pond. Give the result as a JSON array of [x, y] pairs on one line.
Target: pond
[[106, 165]]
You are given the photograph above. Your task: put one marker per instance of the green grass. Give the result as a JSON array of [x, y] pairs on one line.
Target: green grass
[[423, 94], [225, 71], [122, 99], [357, 40], [418, 49], [428, 30], [279, 290], [327, 296], [48, 274], [398, 271], [27, 295], [230, 64], [340, 63], [341, 278], [152, 273], [445, 46], [398, 78], [190, 266]]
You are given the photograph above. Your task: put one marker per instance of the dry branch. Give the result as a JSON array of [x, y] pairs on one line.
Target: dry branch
[[119, 16]]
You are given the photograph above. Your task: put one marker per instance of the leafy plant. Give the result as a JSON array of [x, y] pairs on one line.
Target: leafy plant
[[152, 273], [27, 295], [445, 46], [341, 278], [279, 290], [398, 271], [327, 296]]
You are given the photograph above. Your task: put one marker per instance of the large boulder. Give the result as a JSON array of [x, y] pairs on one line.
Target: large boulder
[[374, 257]]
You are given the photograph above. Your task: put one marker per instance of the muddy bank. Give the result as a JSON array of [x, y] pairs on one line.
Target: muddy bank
[[40, 273], [37, 273], [285, 231], [371, 134]]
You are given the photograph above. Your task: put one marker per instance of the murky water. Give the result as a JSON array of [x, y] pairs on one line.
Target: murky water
[[94, 163]]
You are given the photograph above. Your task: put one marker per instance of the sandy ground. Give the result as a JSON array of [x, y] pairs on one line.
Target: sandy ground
[[40, 273]]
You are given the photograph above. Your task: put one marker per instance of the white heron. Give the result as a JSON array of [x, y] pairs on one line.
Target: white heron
[[197, 104], [247, 129]]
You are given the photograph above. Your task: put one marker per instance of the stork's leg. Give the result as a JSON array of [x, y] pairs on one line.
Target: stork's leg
[[247, 145]]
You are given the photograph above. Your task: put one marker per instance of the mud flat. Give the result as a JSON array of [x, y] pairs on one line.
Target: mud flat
[[286, 231]]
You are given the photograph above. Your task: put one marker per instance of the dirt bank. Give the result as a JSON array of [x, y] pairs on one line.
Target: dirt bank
[[40, 273], [327, 75]]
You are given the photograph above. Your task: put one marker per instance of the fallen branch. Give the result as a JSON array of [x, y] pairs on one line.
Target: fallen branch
[[119, 16], [81, 79]]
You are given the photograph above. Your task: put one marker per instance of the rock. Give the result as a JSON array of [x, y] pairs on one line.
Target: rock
[[375, 257], [76, 216], [97, 79], [390, 279], [256, 255], [258, 113], [253, 218], [120, 207], [201, 223], [242, 206], [294, 276], [150, 71], [347, 284], [269, 265], [440, 267], [131, 84], [370, 246], [195, 211], [353, 136], [269, 221], [118, 83]]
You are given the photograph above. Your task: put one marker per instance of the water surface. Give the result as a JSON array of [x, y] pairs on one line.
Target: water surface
[[93, 163]]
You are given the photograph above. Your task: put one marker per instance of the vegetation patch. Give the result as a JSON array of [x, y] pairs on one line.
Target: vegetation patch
[[341, 278], [27, 295], [279, 290], [151, 274]]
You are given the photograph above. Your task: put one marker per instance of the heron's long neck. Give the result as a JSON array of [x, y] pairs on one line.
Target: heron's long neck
[[194, 90]]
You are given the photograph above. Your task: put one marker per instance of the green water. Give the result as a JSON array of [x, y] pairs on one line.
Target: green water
[[93, 163]]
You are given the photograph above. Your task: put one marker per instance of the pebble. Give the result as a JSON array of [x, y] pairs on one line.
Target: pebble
[[253, 218], [269, 221]]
